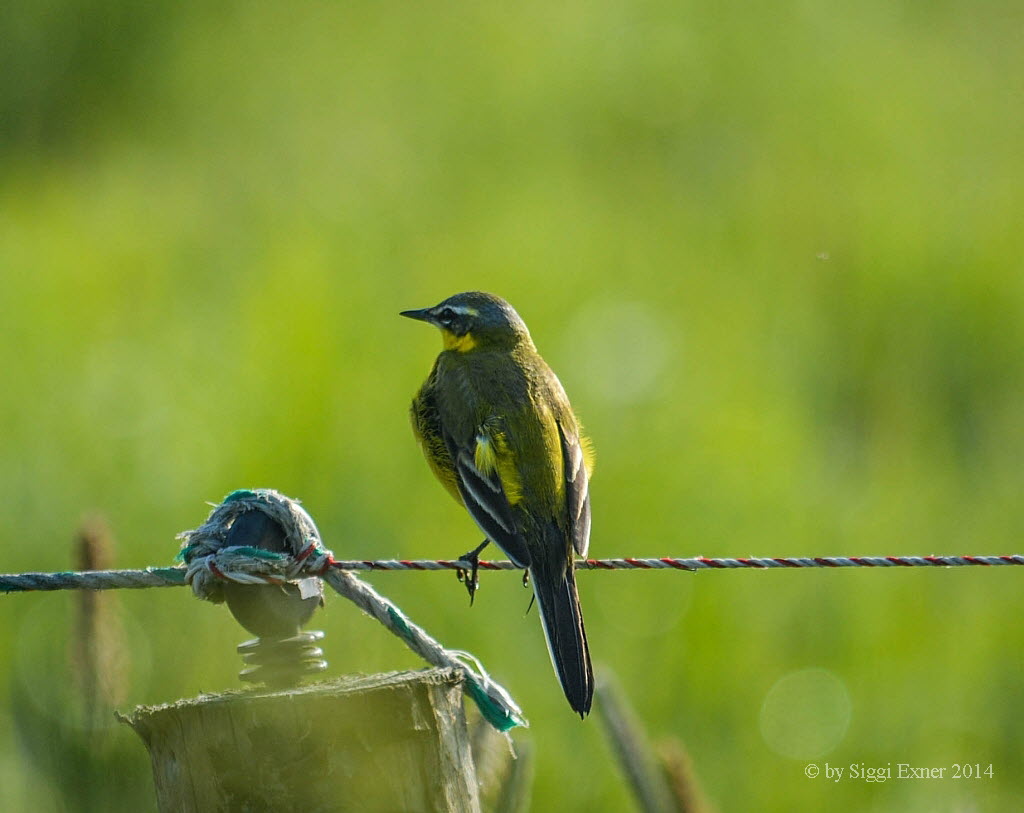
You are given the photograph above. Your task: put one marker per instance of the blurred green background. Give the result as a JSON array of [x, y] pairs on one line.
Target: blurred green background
[[773, 252]]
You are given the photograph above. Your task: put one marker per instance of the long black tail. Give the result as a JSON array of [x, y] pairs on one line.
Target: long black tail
[[554, 584]]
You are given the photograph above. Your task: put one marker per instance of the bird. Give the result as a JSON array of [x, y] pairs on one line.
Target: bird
[[497, 430]]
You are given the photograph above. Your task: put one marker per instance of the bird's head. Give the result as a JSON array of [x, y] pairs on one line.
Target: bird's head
[[474, 320]]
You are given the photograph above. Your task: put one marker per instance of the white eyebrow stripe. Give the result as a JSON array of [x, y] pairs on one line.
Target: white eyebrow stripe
[[463, 310]]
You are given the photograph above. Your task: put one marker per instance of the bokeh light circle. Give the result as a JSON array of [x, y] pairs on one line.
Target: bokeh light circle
[[620, 350], [805, 714]]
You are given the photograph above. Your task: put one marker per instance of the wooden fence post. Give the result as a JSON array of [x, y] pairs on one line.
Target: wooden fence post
[[388, 742]]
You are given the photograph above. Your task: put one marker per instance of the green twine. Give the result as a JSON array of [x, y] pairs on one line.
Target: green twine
[[492, 712]]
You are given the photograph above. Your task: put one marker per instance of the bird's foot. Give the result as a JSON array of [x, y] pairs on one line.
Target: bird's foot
[[469, 577]]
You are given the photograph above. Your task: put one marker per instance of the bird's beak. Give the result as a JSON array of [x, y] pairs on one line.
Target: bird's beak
[[423, 314]]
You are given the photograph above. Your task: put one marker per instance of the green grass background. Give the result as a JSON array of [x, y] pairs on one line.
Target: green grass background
[[772, 250]]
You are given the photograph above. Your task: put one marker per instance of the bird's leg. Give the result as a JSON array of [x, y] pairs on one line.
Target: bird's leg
[[533, 596], [470, 577]]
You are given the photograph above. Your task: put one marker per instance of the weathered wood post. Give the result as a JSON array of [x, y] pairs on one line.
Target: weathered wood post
[[390, 742]]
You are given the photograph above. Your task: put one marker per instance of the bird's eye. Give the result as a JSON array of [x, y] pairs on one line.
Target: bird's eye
[[446, 315]]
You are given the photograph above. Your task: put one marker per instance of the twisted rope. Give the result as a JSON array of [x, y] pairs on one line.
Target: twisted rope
[[208, 558], [696, 563], [93, 580], [176, 576]]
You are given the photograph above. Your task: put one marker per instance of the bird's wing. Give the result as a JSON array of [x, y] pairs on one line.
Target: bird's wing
[[577, 488], [488, 483]]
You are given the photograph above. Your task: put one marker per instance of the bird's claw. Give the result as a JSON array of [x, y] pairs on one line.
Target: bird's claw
[[469, 577]]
